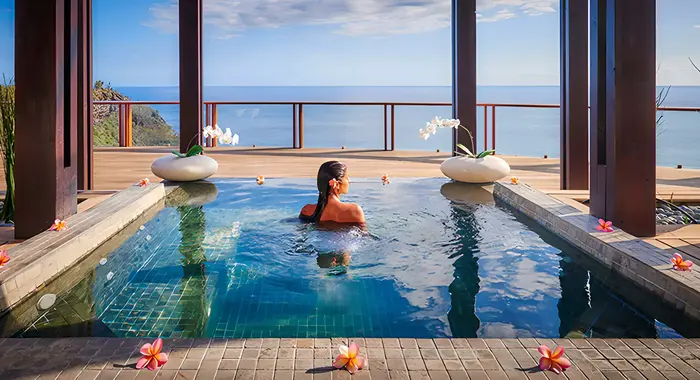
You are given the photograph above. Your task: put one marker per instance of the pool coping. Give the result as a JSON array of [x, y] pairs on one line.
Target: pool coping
[[42, 258], [642, 263]]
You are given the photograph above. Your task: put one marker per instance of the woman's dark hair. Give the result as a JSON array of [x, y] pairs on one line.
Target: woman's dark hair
[[328, 171]]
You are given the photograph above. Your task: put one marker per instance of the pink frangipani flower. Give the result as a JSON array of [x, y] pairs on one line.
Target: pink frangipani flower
[[4, 258], [349, 358], [604, 226], [553, 361], [679, 264], [152, 357]]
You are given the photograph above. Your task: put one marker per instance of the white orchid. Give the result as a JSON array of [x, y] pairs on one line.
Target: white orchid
[[218, 132], [208, 131], [437, 122], [228, 137]]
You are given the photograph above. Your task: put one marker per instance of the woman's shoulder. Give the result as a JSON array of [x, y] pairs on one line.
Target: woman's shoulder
[[308, 210], [354, 212]]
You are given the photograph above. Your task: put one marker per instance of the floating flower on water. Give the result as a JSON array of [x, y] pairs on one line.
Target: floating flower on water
[[553, 361], [110, 276], [142, 228], [514, 181], [152, 357], [260, 180], [4, 258], [103, 261], [604, 226], [144, 182], [385, 179], [148, 238], [679, 264], [58, 225], [349, 358]]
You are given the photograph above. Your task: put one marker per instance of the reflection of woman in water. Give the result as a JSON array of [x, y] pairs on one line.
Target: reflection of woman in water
[[332, 181]]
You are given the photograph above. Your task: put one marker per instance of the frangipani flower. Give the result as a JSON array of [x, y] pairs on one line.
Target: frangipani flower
[[152, 357], [4, 258], [260, 180], [144, 182], [553, 361], [385, 179], [514, 181], [679, 264], [604, 226], [333, 184], [349, 358], [58, 225]]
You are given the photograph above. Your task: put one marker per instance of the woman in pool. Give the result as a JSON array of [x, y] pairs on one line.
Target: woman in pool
[[332, 181]]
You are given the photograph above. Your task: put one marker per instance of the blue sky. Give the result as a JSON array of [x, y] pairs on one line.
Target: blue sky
[[349, 42]]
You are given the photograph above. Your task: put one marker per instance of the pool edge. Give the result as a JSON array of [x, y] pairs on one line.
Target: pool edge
[[634, 259]]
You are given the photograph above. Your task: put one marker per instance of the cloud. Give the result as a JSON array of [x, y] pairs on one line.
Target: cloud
[[697, 26], [349, 17]]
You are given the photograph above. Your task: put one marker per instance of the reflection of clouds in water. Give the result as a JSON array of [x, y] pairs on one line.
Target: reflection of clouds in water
[[501, 330]]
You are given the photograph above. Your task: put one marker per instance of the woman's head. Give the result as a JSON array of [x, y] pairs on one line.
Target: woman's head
[[332, 178]]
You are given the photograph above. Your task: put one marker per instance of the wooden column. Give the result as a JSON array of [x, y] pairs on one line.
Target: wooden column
[[574, 94], [464, 70], [623, 113], [46, 66], [85, 132], [190, 35]]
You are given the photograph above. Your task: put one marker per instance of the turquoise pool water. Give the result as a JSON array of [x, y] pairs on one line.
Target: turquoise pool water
[[440, 259]]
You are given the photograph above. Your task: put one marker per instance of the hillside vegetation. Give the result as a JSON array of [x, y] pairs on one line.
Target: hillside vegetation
[[149, 128]]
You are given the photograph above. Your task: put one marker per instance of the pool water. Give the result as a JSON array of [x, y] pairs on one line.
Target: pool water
[[439, 259]]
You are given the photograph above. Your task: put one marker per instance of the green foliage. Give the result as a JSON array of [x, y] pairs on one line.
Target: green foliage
[[149, 128], [7, 146]]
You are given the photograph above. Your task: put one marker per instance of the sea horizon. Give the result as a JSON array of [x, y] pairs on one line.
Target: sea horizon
[[519, 131]]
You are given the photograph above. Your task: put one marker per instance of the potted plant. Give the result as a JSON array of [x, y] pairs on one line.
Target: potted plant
[[468, 167], [193, 165], [7, 147]]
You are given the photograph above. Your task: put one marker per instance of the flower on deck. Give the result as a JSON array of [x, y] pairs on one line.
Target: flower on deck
[[385, 179], [514, 181], [553, 361], [679, 264], [260, 180], [604, 226], [144, 182], [152, 357], [349, 358], [4, 258], [58, 225]]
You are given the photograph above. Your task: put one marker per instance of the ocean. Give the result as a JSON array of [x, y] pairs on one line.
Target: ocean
[[519, 131]]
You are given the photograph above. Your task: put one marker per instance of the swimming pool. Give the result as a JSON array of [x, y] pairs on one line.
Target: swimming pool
[[440, 259]]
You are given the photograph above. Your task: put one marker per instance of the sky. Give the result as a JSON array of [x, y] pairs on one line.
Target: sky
[[349, 42]]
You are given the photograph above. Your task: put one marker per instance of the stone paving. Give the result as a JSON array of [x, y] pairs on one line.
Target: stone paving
[[310, 359]]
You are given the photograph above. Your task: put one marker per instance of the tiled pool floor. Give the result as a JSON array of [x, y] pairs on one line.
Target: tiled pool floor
[[310, 359]]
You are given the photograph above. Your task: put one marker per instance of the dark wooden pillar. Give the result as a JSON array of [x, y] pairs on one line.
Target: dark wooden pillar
[[464, 70], [623, 113], [46, 33], [85, 136], [574, 94], [190, 35]]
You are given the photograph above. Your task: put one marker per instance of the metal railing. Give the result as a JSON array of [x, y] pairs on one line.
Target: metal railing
[[297, 113]]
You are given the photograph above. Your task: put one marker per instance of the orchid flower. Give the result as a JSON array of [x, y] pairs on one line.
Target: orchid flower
[[604, 226], [58, 225], [4, 258], [679, 264], [217, 131], [229, 138], [260, 180], [152, 357], [553, 361], [424, 134], [514, 181], [349, 358], [144, 182], [385, 179], [208, 131]]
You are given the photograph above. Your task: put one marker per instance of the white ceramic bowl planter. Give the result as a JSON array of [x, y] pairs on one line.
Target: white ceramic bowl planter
[[468, 167], [194, 165]]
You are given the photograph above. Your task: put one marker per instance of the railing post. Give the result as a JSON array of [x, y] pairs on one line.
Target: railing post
[[214, 121], [120, 124], [486, 128], [301, 126], [294, 125], [393, 129], [129, 125], [493, 127], [386, 144], [207, 140]]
